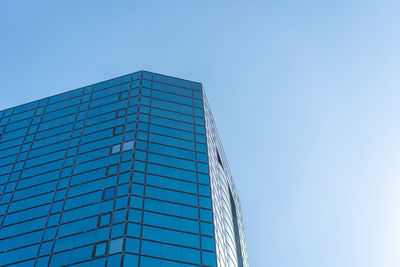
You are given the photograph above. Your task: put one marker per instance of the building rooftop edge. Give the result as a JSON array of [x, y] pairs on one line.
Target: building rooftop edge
[[92, 84]]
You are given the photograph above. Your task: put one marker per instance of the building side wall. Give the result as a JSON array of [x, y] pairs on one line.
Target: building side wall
[[171, 154], [222, 185], [120, 173], [65, 166]]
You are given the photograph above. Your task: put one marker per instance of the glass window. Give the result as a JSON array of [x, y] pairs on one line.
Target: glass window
[[171, 237], [115, 245], [104, 219], [109, 193], [118, 129], [176, 152], [112, 170], [205, 215], [170, 252], [171, 222], [171, 172], [130, 260], [100, 249], [174, 162], [121, 113], [132, 245], [208, 243], [114, 260], [135, 215], [128, 145], [171, 183], [207, 228], [208, 258], [172, 89], [136, 202], [133, 229], [170, 195], [118, 229], [204, 190], [119, 216], [139, 166]]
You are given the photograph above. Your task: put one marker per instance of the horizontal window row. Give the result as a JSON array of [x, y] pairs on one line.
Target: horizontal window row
[[16, 125], [85, 223], [96, 184], [106, 195], [96, 196], [63, 112], [171, 172], [171, 222], [166, 140], [152, 205], [171, 80], [23, 227], [21, 116], [45, 177], [45, 159], [75, 100], [21, 108], [169, 88], [15, 142], [167, 122], [100, 247], [150, 261], [58, 134], [130, 103], [167, 131], [173, 209], [114, 98], [150, 248], [115, 81], [106, 124], [177, 163], [189, 101], [65, 99], [30, 179], [97, 208], [167, 114], [118, 112], [172, 106], [66, 95], [44, 124], [97, 163], [19, 255], [172, 196], [115, 89], [173, 123], [14, 134], [26, 214], [169, 181], [81, 239], [177, 152], [75, 255], [102, 189], [177, 125], [68, 102], [102, 143], [11, 243], [43, 142]]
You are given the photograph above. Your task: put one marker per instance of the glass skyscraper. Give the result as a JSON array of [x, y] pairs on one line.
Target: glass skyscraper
[[126, 172]]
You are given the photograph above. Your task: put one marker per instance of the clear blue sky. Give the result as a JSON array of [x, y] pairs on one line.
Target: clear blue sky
[[306, 95]]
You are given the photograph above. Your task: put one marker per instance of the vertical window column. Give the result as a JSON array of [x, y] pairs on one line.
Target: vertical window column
[[66, 173]]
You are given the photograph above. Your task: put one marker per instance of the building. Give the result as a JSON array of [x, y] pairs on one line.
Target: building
[[126, 172]]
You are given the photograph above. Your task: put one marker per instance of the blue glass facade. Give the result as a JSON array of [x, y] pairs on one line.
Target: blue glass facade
[[118, 173]]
